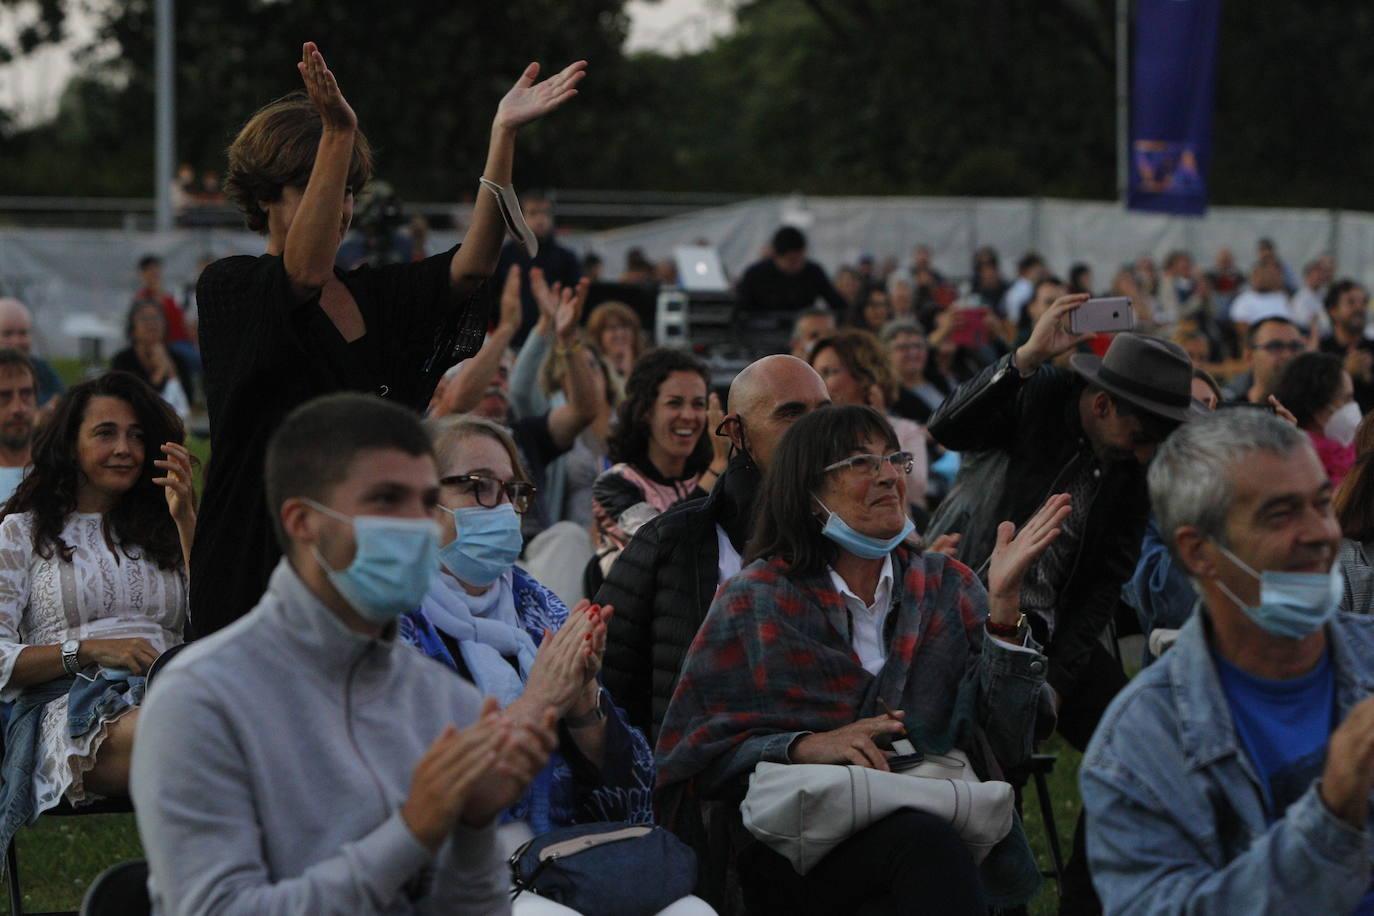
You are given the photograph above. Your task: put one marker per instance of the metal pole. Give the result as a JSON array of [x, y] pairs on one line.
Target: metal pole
[[1123, 95], [166, 111]]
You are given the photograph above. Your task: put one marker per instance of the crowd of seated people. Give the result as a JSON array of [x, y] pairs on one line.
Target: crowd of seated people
[[638, 595]]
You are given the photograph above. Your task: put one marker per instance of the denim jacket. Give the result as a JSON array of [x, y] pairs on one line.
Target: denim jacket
[[1176, 816]]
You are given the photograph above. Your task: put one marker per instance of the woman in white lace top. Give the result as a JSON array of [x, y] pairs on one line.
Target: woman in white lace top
[[93, 584]]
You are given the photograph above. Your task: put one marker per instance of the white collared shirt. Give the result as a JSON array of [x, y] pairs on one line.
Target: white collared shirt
[[728, 558], [868, 619]]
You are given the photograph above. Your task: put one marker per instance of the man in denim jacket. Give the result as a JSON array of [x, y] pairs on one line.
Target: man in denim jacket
[[1235, 775]]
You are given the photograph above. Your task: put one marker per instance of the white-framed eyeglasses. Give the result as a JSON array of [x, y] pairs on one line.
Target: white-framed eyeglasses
[[902, 461]]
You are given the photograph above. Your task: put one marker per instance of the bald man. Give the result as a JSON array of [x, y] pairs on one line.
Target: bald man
[[16, 333], [665, 578]]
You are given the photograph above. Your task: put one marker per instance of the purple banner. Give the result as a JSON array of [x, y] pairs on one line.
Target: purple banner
[[1173, 77]]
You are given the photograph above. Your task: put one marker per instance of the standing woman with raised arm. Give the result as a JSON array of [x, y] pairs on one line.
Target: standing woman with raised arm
[[283, 328]]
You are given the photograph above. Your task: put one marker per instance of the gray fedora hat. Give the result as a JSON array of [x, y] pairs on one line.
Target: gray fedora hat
[[1153, 374]]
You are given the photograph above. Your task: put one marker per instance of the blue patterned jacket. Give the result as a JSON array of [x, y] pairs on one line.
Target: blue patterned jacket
[[570, 789]]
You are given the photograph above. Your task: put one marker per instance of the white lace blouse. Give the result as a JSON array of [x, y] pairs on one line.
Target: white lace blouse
[[100, 594]]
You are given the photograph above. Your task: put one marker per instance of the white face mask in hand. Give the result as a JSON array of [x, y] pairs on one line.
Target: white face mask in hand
[[1341, 425]]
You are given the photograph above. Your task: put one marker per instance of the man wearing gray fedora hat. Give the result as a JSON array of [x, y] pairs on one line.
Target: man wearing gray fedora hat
[[1028, 430]]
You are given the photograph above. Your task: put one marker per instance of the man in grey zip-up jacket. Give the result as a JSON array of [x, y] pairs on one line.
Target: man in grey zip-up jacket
[[295, 762]]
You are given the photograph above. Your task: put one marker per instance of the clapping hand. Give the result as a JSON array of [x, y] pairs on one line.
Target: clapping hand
[[323, 90], [446, 774], [560, 309], [568, 315], [528, 100], [1013, 555], [177, 483], [568, 661]]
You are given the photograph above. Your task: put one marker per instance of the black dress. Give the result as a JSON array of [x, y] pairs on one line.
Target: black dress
[[265, 353]]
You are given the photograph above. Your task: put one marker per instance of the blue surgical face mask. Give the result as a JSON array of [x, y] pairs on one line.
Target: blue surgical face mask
[[1293, 605], [393, 565], [861, 545], [487, 544]]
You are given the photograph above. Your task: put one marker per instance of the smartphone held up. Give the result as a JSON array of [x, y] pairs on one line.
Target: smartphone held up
[[1100, 316]]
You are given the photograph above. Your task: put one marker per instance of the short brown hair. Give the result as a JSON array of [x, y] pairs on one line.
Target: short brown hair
[[276, 149], [313, 449], [11, 358], [864, 356]]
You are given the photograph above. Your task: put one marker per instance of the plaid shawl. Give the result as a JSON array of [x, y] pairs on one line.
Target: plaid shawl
[[769, 659]]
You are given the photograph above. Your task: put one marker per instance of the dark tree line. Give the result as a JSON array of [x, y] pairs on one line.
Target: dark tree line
[[959, 97]]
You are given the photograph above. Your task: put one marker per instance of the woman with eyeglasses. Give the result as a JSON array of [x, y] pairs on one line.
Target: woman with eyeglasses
[[857, 370], [837, 639], [489, 621]]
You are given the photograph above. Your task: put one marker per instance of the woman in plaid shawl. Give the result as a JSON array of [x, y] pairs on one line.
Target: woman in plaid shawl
[[834, 617]]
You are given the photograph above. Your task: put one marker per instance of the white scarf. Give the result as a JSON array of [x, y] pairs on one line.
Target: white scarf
[[488, 632]]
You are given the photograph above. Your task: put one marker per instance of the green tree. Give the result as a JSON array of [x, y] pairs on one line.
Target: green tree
[[960, 97]]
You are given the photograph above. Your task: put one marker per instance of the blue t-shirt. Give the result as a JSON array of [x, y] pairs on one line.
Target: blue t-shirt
[[1284, 727], [10, 478]]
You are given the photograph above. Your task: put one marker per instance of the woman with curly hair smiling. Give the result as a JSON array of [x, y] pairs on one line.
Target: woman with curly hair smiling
[[662, 446], [93, 547]]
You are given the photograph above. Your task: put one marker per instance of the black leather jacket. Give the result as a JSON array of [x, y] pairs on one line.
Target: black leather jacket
[[1021, 440]]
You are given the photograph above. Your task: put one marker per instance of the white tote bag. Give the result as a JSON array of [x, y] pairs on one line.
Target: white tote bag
[[802, 811]]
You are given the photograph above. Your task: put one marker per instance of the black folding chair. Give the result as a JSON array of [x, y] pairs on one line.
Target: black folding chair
[[120, 890], [1041, 765], [104, 806]]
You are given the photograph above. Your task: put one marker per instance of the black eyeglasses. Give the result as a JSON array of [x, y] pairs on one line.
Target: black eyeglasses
[[902, 461], [1279, 346], [488, 490]]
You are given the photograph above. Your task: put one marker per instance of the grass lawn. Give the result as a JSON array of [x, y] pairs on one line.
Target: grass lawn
[[60, 856]]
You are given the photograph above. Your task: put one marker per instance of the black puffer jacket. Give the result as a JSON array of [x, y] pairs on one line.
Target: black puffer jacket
[[1021, 439], [661, 586]]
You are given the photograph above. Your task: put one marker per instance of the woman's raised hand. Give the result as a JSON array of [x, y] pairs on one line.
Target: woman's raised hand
[[528, 100], [323, 90], [568, 313], [1013, 555], [545, 297], [177, 483]]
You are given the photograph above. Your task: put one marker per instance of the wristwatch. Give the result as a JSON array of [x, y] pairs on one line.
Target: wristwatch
[[1007, 630], [595, 715], [69, 650]]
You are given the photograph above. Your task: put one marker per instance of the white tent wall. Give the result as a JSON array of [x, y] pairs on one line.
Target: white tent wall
[[64, 272], [1102, 235]]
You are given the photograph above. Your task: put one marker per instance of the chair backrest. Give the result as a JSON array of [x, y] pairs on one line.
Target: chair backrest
[[162, 660], [120, 890]]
